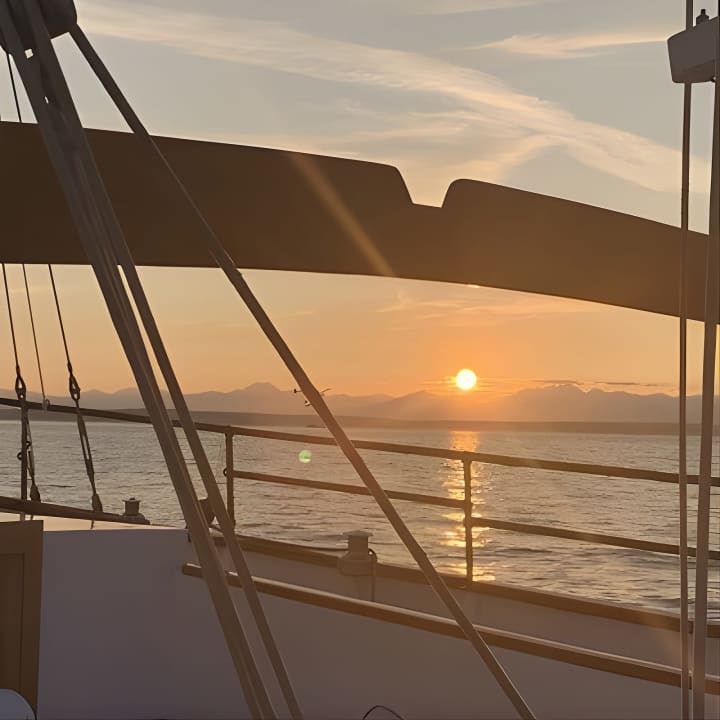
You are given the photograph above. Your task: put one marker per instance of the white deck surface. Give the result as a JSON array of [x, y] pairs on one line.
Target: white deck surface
[[58, 524]]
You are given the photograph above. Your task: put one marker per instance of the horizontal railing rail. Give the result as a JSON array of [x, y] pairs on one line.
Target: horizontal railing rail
[[462, 455], [484, 522], [612, 471], [46, 509], [463, 504], [526, 644], [584, 536], [349, 489]]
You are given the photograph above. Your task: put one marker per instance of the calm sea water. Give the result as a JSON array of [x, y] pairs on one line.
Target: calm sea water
[[128, 463]]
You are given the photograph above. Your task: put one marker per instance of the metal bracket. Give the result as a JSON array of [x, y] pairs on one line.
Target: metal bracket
[[693, 54]]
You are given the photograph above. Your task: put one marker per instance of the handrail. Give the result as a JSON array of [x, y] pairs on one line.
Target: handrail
[[464, 456], [349, 489], [583, 536], [538, 647], [655, 617], [401, 449], [37, 508], [475, 521], [463, 504]]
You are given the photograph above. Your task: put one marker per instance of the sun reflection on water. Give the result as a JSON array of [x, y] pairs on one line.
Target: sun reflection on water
[[452, 480]]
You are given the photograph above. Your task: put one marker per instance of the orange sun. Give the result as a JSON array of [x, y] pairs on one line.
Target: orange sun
[[465, 379]]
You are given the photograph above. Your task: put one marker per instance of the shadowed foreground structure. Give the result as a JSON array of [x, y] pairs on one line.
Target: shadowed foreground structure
[[282, 210]]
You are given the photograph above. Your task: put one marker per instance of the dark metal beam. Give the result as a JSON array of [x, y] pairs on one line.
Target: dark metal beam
[[291, 211]]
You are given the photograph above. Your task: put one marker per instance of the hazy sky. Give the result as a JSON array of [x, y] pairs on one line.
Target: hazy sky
[[568, 98]]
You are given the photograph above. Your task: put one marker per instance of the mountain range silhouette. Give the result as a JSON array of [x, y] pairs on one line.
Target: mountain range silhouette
[[554, 403]]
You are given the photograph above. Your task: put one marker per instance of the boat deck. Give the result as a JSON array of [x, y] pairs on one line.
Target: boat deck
[[62, 524]]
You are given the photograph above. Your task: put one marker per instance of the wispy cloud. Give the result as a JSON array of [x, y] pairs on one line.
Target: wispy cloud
[[503, 386], [505, 304], [444, 138], [558, 47], [643, 388], [520, 125], [629, 383], [448, 7], [553, 381]]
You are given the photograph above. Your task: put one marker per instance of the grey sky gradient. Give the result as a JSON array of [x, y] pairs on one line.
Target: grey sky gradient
[[565, 97]]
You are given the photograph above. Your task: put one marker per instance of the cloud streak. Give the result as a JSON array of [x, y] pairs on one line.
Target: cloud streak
[[511, 305], [628, 386], [521, 124], [449, 7], [560, 47]]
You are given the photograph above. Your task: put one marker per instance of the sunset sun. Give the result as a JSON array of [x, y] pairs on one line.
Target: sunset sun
[[466, 379]]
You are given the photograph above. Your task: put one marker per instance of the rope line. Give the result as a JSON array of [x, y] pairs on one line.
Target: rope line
[[11, 73], [34, 335], [73, 386], [10, 317], [99, 233], [59, 314], [26, 456], [14, 87], [74, 391], [226, 263]]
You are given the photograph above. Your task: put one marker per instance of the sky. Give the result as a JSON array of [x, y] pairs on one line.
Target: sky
[[570, 98]]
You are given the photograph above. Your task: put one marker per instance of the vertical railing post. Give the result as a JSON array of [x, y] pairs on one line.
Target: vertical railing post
[[468, 511], [229, 474]]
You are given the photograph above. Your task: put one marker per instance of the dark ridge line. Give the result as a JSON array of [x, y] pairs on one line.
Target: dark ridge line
[[308, 421]]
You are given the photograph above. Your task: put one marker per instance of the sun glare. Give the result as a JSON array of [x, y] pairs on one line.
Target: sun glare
[[466, 379]]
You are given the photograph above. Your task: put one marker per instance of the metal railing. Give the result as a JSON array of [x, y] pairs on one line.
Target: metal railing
[[463, 504]]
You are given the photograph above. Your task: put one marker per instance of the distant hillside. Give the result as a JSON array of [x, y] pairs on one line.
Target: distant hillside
[[562, 403], [310, 424]]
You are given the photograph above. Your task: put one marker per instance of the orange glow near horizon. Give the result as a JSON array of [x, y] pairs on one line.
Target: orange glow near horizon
[[465, 380], [358, 335]]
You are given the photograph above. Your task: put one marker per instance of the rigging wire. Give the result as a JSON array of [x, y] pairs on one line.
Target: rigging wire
[[10, 318], [226, 263], [45, 401], [13, 85], [103, 242], [73, 386], [26, 456], [74, 391]]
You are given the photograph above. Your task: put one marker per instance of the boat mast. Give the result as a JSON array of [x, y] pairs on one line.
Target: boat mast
[[712, 300], [695, 57], [682, 390]]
